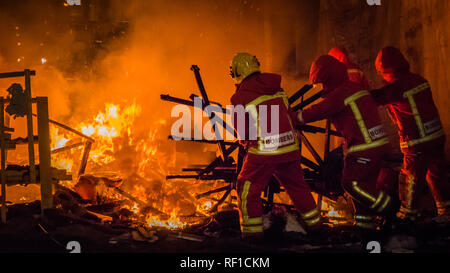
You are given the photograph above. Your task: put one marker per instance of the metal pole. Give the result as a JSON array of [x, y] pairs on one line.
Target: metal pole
[[327, 140], [3, 159], [30, 127], [45, 177], [325, 156], [206, 103]]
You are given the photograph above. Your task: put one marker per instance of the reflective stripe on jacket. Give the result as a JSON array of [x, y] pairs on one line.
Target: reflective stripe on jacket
[[261, 93], [373, 137], [411, 106], [351, 110], [272, 144]]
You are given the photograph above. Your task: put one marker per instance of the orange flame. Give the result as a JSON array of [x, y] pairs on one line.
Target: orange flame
[[113, 131]]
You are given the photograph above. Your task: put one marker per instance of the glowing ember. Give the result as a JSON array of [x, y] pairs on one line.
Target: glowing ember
[[106, 126], [122, 146], [333, 213], [173, 222], [58, 141], [205, 206]]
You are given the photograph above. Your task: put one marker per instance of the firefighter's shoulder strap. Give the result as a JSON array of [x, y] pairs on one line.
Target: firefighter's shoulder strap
[[355, 71], [424, 137], [265, 98], [369, 143], [251, 106]]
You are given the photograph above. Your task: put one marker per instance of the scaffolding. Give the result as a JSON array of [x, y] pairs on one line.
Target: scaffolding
[[43, 173]]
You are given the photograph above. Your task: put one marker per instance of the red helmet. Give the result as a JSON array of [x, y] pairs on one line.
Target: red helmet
[[391, 60], [340, 54], [329, 72]]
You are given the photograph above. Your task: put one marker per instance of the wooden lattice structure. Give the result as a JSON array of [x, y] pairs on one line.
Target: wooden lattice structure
[[42, 173]]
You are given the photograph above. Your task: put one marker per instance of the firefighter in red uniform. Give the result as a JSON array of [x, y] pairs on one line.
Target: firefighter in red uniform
[[354, 114], [268, 154], [388, 177], [410, 105], [355, 74]]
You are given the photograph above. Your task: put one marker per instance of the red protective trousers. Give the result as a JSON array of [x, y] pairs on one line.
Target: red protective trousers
[[253, 179], [360, 179], [418, 170], [366, 184]]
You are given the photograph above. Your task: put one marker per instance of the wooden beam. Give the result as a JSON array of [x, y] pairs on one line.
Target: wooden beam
[[31, 158], [325, 157], [3, 159], [67, 148], [17, 74], [84, 160], [45, 177], [70, 129]]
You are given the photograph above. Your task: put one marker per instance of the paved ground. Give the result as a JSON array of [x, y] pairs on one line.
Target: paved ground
[[26, 233]]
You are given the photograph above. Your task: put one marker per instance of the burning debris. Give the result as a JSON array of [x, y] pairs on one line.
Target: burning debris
[[97, 199], [323, 176], [117, 146], [121, 180]]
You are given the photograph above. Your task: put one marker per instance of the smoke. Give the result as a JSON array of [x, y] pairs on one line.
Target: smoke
[[162, 40], [124, 52]]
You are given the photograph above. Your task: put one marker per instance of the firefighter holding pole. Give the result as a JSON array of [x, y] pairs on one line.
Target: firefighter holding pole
[[354, 114]]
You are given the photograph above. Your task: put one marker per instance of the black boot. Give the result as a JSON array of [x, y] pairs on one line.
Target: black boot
[[318, 234]]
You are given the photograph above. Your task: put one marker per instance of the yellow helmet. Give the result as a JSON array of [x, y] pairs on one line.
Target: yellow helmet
[[243, 65]]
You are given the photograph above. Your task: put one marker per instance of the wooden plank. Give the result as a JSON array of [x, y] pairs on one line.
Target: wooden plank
[[45, 177], [67, 148], [3, 160], [30, 127], [325, 156], [16, 177], [17, 74], [84, 160], [60, 174], [70, 129]]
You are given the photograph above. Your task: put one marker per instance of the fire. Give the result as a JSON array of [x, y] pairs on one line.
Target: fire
[[333, 213], [337, 211], [172, 222], [123, 145], [108, 125], [206, 206], [139, 155], [58, 140], [135, 208]]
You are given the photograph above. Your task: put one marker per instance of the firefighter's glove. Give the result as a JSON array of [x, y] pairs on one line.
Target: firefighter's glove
[[300, 117]]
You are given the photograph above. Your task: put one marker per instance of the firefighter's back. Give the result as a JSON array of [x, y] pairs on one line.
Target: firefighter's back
[[275, 139], [415, 112]]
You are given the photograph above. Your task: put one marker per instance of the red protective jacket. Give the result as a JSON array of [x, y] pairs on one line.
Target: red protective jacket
[[335, 104], [409, 101], [355, 74], [264, 89]]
